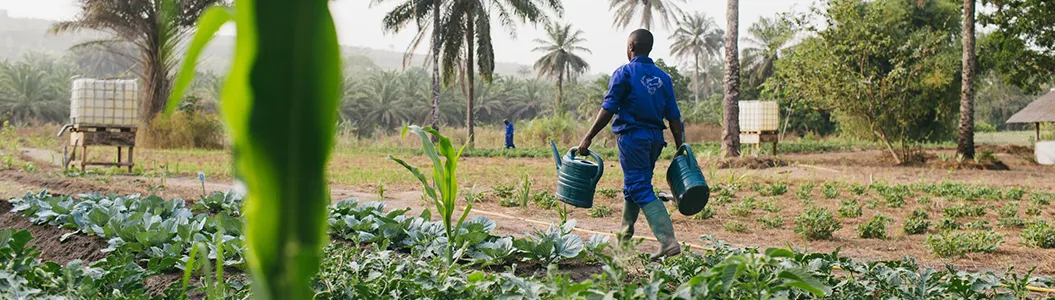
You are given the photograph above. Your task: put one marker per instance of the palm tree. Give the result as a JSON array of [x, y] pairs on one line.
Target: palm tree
[[426, 13], [767, 39], [155, 28], [731, 107], [559, 58], [965, 144], [471, 20], [697, 37], [381, 97], [627, 10], [34, 90]]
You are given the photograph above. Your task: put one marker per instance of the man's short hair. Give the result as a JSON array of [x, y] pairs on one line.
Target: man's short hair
[[641, 40]]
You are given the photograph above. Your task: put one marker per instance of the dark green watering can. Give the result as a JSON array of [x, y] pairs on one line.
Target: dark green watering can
[[687, 183], [577, 178]]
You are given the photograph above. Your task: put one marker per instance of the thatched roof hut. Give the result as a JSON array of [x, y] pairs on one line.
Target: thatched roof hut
[[1041, 110]]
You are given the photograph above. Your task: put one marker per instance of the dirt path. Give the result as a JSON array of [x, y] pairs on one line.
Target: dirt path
[[853, 167]]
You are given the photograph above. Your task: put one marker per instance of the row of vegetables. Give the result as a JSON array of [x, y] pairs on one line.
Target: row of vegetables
[[382, 253]]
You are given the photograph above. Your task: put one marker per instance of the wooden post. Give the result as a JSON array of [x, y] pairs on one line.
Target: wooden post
[[130, 158], [1037, 127], [118, 154]]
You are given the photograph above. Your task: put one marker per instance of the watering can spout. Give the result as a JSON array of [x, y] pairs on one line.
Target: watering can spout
[[556, 155]]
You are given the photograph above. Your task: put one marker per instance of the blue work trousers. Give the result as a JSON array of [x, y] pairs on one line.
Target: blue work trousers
[[509, 142], [638, 151]]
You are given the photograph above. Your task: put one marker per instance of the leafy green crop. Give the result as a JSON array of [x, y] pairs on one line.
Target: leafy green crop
[[600, 211], [849, 209], [816, 224], [916, 225], [1039, 235], [875, 228], [948, 244]]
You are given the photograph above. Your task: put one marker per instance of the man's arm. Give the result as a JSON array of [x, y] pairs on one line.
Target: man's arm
[[678, 130], [603, 117]]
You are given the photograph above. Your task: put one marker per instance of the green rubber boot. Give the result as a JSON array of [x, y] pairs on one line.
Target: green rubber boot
[[630, 212], [663, 228]]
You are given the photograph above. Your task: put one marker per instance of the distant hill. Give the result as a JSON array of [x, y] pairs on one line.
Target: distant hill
[[22, 35]]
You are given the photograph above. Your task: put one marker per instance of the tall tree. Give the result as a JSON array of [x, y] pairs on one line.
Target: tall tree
[[699, 38], [471, 21], [559, 58], [649, 11], [426, 14], [731, 105], [1022, 46], [155, 28], [766, 40], [965, 145]]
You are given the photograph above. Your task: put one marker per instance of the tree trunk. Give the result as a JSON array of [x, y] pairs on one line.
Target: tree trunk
[[646, 15], [965, 146], [156, 87], [731, 107], [696, 78], [469, 34], [436, 64], [560, 95]]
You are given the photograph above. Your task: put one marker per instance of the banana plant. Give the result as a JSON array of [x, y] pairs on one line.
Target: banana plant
[[443, 190]]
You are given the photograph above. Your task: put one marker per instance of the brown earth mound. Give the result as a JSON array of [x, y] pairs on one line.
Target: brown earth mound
[[46, 238]]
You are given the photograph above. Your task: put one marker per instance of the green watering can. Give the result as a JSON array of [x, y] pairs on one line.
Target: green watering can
[[687, 183], [577, 178]]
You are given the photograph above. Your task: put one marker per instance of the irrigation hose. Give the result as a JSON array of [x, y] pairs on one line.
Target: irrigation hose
[[691, 245]]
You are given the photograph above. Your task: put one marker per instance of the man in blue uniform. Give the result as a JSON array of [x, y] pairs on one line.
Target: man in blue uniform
[[640, 97], [509, 135]]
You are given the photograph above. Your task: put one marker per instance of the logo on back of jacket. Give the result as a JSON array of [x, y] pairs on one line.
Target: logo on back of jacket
[[653, 83]]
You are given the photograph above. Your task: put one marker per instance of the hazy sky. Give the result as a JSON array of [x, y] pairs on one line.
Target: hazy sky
[[359, 25]]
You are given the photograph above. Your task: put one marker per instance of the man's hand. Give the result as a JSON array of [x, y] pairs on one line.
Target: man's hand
[[584, 146], [603, 117]]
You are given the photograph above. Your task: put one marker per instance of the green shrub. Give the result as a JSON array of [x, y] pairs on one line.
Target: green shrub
[[544, 200], [769, 205], [964, 210], [830, 190], [607, 193], [1040, 199], [184, 130], [849, 209], [875, 228], [983, 126], [919, 213], [805, 192], [508, 202], [894, 200], [1009, 210], [1014, 193], [816, 224], [978, 225], [947, 223], [741, 209], [721, 200], [600, 211], [774, 189], [858, 189], [916, 225], [734, 226], [503, 190], [923, 200], [705, 214], [1039, 235], [872, 203], [1033, 211], [949, 244], [1010, 222], [523, 192], [771, 221]]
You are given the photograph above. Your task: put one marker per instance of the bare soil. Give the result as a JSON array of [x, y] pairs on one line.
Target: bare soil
[[46, 239]]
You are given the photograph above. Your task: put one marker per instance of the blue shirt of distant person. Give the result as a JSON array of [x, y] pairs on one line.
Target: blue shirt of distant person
[[641, 97], [509, 135]]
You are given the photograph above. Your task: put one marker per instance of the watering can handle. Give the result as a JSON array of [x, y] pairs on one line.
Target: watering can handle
[[686, 150], [600, 162]]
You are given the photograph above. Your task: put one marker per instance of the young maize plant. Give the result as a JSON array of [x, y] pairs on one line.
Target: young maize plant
[[279, 104]]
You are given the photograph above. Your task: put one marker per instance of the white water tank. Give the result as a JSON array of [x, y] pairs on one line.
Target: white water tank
[[758, 116], [110, 102], [1045, 151]]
